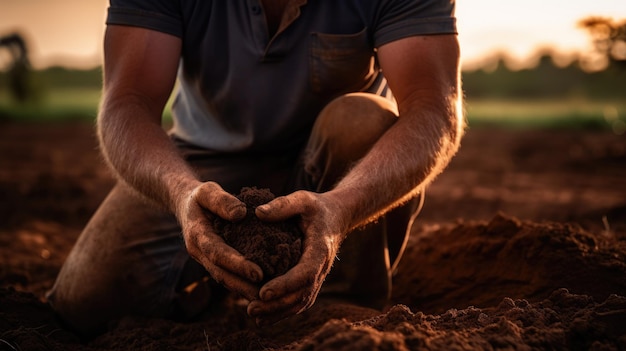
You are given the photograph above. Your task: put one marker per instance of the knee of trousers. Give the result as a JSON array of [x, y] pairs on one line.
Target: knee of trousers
[[89, 308], [352, 123], [345, 130], [86, 315]]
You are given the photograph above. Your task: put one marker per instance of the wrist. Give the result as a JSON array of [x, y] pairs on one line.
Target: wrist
[[340, 205], [181, 193]]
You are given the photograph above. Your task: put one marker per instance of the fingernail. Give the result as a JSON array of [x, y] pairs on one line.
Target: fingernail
[[269, 295], [237, 212], [254, 276], [238, 208]]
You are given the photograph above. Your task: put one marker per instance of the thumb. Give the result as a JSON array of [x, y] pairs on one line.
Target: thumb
[[212, 197], [279, 209]]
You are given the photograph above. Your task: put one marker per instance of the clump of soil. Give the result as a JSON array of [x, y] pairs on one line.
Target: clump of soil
[[274, 246]]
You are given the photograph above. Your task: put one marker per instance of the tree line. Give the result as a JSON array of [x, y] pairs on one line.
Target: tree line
[[545, 80]]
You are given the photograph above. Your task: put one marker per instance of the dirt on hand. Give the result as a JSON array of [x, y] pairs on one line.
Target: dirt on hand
[[274, 246]]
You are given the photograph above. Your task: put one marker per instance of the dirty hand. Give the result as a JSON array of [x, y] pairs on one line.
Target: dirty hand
[[227, 266], [324, 230]]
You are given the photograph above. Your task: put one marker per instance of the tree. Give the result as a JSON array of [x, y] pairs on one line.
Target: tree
[[609, 41], [19, 71]]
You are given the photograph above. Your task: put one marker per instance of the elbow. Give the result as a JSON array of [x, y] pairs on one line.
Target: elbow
[[446, 136], [457, 123]]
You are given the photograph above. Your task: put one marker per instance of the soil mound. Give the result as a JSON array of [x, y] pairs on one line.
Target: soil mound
[[275, 247], [479, 263], [504, 284], [562, 322]]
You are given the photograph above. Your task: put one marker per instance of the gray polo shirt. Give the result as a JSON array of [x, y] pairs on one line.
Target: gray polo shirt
[[241, 90]]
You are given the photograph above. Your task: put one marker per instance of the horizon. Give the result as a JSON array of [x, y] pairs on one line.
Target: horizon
[[485, 30]]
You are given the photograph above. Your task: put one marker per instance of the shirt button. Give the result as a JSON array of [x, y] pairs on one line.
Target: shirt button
[[256, 10]]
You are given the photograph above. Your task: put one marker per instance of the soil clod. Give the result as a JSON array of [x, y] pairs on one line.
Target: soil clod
[[275, 247]]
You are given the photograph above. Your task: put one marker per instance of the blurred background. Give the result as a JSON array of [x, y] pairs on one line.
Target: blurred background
[[537, 63]]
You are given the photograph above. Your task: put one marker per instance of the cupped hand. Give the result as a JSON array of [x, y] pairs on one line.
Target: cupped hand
[[324, 229], [227, 266]]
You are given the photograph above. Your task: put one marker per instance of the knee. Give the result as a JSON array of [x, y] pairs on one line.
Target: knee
[[364, 114], [352, 123], [84, 316], [87, 300], [343, 133]]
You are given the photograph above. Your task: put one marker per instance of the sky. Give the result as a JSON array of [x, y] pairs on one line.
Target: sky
[[69, 32]]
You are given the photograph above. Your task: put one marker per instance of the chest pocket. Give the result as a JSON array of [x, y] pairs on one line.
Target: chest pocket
[[340, 63]]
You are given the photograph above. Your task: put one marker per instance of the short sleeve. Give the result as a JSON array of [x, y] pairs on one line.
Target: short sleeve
[[160, 15], [403, 18]]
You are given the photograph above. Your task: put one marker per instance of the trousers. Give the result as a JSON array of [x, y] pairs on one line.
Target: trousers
[[131, 259]]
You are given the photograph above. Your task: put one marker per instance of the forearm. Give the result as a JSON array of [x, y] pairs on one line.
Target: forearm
[[404, 160], [139, 151]]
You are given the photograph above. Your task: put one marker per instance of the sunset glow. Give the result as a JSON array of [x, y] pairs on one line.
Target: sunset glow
[[69, 32]]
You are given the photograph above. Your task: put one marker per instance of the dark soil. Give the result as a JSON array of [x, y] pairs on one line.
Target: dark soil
[[521, 246], [275, 247]]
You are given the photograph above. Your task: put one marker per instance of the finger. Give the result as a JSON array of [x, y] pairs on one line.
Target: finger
[[313, 264], [234, 283], [212, 197], [291, 304], [273, 311], [284, 207], [231, 281], [266, 312], [211, 250], [278, 313], [296, 279], [232, 261]]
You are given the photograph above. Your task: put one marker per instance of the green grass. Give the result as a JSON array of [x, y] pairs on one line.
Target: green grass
[[57, 106], [82, 104], [552, 114]]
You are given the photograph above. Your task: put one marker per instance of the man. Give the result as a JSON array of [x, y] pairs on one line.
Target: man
[[282, 94]]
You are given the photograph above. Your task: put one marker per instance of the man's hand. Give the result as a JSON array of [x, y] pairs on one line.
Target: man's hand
[[227, 266], [324, 229]]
